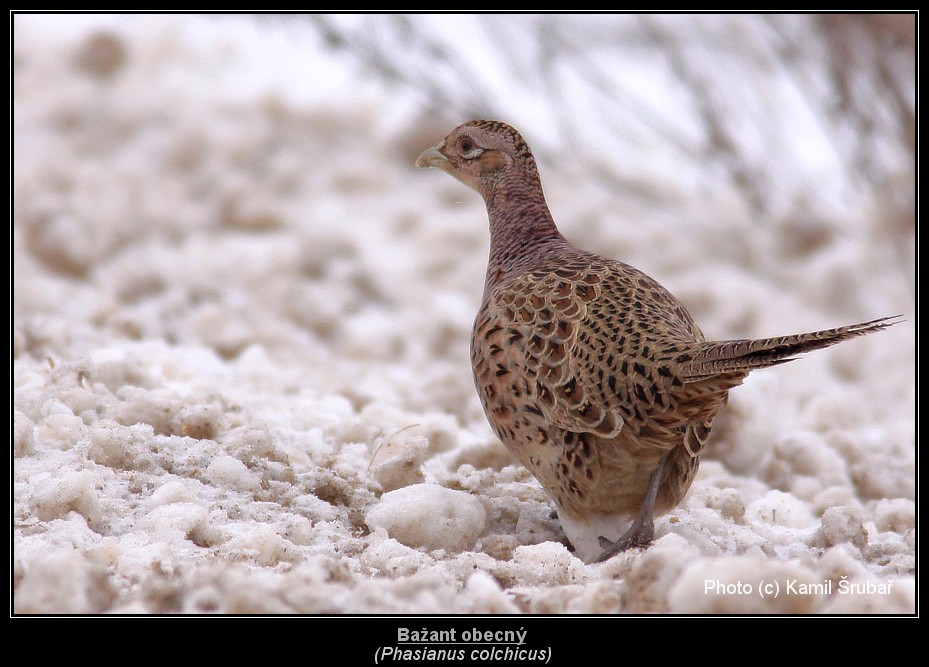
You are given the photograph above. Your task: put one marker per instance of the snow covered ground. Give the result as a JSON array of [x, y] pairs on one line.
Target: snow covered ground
[[240, 358]]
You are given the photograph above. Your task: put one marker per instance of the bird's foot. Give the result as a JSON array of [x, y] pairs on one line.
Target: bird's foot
[[642, 531], [638, 536]]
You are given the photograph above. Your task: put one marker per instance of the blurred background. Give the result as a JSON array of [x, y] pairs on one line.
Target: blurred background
[[786, 111]]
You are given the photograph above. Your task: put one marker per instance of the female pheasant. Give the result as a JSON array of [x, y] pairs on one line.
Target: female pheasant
[[592, 374]]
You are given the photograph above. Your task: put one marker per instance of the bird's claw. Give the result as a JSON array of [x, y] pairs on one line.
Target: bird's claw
[[632, 539]]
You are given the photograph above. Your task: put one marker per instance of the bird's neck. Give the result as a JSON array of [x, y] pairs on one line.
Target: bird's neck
[[522, 232]]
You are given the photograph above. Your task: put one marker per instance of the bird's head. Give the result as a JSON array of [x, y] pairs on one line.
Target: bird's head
[[482, 154]]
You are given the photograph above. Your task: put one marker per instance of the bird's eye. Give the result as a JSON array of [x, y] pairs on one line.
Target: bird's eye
[[468, 148]]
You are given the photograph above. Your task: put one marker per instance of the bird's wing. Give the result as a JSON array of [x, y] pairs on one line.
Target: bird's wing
[[597, 342]]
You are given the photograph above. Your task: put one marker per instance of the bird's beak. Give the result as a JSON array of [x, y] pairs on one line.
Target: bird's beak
[[431, 157]]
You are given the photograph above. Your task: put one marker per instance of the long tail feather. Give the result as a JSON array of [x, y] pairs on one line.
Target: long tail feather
[[714, 358]]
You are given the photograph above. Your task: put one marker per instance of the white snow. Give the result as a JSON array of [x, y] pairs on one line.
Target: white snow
[[240, 356], [429, 516]]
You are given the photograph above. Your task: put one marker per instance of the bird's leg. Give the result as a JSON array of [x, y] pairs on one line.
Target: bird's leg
[[642, 531]]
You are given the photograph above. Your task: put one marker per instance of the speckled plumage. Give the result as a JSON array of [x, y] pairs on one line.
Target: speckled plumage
[[591, 373]]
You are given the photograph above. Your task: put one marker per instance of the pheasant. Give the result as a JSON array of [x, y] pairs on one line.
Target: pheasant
[[590, 372]]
